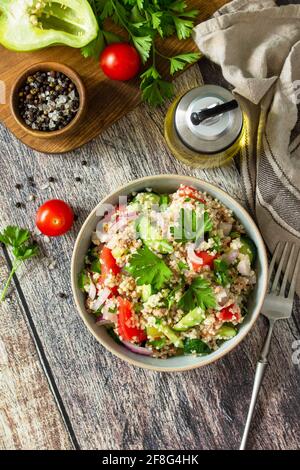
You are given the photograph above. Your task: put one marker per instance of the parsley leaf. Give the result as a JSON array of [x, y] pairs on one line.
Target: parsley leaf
[[147, 268], [178, 62], [143, 45], [22, 249], [199, 294], [154, 89], [221, 272]]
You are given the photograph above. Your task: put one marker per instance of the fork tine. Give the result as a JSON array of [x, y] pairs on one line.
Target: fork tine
[[279, 269], [294, 278], [287, 270], [273, 262]]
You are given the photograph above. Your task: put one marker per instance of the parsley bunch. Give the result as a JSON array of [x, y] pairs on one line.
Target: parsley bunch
[[145, 21], [18, 239]]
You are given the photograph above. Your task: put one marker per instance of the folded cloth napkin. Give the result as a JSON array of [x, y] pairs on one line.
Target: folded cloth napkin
[[257, 45]]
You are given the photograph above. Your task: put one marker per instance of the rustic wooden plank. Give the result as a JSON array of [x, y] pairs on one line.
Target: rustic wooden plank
[[107, 100], [29, 415], [112, 404]]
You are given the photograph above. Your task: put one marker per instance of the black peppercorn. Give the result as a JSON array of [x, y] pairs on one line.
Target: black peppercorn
[[84, 162], [18, 186], [51, 179], [78, 178]]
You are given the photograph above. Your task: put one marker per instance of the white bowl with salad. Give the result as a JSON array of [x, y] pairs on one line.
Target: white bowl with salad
[[169, 273]]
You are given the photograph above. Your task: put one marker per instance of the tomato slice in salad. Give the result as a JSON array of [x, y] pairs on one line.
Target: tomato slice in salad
[[108, 266], [207, 260], [125, 327], [189, 191], [227, 314]]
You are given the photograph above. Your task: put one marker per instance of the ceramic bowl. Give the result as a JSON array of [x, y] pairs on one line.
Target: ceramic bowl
[[47, 67], [168, 184]]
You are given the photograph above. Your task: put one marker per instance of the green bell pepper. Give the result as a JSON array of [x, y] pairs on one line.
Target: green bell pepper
[[27, 25]]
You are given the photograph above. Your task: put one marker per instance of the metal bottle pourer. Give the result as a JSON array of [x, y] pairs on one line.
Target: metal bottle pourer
[[205, 114]]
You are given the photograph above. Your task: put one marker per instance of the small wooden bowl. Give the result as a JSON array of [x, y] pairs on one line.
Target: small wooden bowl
[[47, 67]]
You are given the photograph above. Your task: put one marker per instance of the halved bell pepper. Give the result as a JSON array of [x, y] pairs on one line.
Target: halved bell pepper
[[27, 25]]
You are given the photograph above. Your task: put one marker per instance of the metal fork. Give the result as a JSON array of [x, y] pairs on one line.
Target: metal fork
[[277, 306]]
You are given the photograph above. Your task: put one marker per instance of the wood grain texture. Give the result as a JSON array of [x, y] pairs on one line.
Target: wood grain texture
[[29, 418], [107, 100], [110, 403]]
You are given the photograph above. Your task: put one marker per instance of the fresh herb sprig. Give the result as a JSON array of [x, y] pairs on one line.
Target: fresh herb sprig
[[144, 21], [199, 294], [147, 268], [18, 239]]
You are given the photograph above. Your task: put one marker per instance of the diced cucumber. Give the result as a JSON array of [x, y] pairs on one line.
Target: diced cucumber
[[164, 200], [248, 248], [145, 201], [170, 334], [158, 343], [226, 332], [196, 346], [96, 266], [193, 318], [151, 237], [153, 332], [146, 292], [83, 280]]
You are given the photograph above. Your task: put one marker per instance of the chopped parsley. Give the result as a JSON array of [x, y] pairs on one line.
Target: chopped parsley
[[221, 274], [199, 294], [147, 268]]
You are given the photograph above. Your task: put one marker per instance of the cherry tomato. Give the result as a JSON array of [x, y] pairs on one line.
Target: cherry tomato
[[108, 266], [189, 191], [207, 260], [226, 314], [126, 328], [54, 218], [120, 61]]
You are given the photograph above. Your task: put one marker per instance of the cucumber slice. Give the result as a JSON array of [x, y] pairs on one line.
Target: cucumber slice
[[145, 200], [226, 332], [193, 318], [164, 200], [196, 346], [150, 236], [170, 334], [153, 332], [248, 248], [146, 292]]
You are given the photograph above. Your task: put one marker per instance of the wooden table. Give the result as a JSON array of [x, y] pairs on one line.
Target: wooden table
[[59, 388]]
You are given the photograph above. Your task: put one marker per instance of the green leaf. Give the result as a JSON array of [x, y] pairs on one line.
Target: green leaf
[[179, 6], [183, 27], [147, 268], [14, 236], [94, 48], [199, 294], [179, 62], [155, 91], [107, 10], [196, 346], [24, 252], [221, 274], [217, 246], [83, 279], [143, 44], [156, 19], [112, 38], [96, 266]]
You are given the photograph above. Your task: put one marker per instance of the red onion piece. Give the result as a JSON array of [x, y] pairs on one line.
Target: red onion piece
[[192, 255], [103, 295], [230, 256], [137, 349], [226, 227], [244, 267], [92, 290]]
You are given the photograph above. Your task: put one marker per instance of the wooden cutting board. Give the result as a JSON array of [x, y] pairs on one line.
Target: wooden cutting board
[[107, 100]]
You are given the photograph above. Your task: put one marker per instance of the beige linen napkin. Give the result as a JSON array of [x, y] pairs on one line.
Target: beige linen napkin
[[257, 45]]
